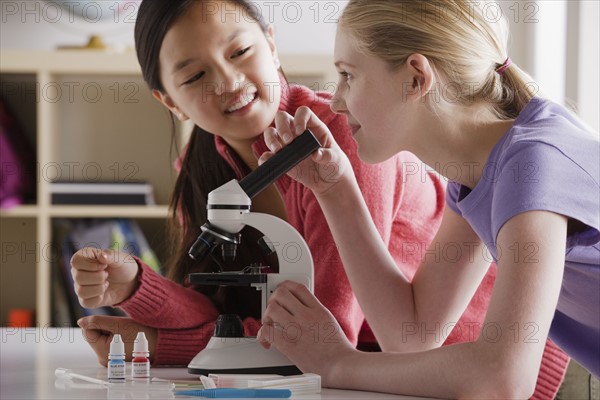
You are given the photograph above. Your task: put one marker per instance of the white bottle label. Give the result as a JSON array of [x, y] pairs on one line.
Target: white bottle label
[[116, 370], [140, 369]]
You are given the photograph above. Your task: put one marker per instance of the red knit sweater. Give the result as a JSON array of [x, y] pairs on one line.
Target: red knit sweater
[[406, 208]]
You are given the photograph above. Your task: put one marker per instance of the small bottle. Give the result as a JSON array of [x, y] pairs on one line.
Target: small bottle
[[116, 360], [140, 364]]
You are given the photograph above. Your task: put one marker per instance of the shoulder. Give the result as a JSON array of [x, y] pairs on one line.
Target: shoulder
[[544, 125], [546, 135], [547, 161]]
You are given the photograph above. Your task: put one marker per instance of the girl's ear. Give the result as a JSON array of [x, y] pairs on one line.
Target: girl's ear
[[421, 76], [168, 102], [270, 35]]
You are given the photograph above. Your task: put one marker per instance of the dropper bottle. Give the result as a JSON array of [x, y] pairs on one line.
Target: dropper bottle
[[116, 360], [140, 364]]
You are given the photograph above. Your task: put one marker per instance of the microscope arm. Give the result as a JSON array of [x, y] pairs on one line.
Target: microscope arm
[[293, 254]]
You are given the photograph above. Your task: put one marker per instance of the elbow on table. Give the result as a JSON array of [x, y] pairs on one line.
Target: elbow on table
[[517, 388], [504, 380], [500, 388]]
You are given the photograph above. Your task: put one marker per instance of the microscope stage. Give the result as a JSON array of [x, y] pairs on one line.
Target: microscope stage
[[227, 279]]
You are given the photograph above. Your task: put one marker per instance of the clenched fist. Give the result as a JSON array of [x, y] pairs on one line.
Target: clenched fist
[[103, 277]]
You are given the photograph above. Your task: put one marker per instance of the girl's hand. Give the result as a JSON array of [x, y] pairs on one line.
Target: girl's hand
[[98, 331], [300, 327], [103, 277], [323, 169]]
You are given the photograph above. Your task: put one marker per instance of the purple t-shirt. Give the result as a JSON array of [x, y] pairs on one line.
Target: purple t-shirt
[[547, 161]]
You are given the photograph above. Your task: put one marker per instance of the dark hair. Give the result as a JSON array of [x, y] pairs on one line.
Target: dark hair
[[203, 169]]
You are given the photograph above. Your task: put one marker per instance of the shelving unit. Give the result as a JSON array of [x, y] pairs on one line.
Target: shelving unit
[[90, 117]]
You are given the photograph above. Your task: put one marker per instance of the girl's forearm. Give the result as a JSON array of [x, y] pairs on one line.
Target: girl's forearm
[[466, 370], [161, 303], [383, 292]]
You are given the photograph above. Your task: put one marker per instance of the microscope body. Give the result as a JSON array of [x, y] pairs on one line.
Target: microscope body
[[228, 207], [229, 211]]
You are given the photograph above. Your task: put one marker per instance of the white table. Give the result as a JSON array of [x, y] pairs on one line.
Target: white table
[[29, 357]]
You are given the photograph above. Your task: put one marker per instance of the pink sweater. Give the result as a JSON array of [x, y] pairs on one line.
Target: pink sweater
[[406, 208]]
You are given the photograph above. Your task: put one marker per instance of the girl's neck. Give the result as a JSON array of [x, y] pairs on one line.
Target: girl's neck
[[462, 144], [243, 148]]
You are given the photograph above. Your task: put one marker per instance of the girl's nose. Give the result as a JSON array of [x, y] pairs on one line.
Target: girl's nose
[[338, 105], [228, 79]]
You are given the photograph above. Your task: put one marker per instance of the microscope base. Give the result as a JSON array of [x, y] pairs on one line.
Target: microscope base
[[283, 371], [240, 356]]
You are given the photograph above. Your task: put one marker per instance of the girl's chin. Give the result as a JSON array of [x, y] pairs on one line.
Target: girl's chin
[[252, 126], [371, 155]]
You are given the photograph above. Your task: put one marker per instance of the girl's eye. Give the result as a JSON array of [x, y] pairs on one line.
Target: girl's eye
[[345, 78], [194, 78], [345, 75], [241, 52]]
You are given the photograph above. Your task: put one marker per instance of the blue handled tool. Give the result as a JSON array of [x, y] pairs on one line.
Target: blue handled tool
[[220, 393]]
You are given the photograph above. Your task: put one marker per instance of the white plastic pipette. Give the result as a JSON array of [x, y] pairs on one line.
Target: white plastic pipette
[[65, 373]]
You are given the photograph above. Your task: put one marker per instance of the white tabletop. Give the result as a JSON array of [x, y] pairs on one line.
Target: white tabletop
[[29, 357]]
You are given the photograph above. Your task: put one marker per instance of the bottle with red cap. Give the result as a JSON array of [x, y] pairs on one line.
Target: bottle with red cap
[[140, 364]]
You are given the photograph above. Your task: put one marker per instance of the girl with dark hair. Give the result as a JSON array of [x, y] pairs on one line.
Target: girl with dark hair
[[215, 63]]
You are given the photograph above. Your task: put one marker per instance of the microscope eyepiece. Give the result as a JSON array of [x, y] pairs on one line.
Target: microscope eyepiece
[[284, 160]]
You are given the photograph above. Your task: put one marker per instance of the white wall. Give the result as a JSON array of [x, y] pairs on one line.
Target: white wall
[[556, 41], [301, 27], [588, 86]]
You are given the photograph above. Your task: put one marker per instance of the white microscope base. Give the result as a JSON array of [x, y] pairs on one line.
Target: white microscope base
[[240, 356]]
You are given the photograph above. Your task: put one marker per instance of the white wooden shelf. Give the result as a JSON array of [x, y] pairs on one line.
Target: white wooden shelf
[[26, 211], [80, 211], [109, 211], [83, 109], [94, 62], [92, 113]]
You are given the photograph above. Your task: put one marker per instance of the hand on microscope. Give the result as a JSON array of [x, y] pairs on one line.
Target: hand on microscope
[[103, 277], [323, 169], [299, 326]]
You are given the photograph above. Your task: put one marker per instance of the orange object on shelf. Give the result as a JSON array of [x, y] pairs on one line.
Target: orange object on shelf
[[20, 318]]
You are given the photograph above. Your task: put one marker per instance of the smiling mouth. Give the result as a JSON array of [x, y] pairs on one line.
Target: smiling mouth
[[241, 103]]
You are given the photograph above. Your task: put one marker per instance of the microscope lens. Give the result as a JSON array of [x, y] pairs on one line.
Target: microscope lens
[[229, 251], [202, 247]]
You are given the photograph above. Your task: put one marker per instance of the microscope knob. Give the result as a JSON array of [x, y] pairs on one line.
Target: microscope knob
[[229, 325]]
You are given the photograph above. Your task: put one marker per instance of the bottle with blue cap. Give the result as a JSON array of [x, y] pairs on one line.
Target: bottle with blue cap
[[116, 360]]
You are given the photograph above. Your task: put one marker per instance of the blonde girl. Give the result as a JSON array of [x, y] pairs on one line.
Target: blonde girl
[[434, 78]]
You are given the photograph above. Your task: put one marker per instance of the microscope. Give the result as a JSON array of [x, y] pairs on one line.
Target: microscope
[[228, 351]]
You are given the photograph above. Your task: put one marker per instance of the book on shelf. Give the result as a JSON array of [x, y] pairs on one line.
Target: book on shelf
[[102, 193]]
